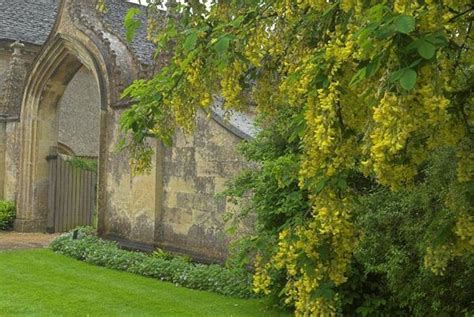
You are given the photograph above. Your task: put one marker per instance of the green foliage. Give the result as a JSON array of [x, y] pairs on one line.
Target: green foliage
[[83, 163], [162, 254], [363, 95], [387, 276], [408, 79], [131, 23], [274, 199], [7, 214], [404, 24], [178, 270], [398, 227]]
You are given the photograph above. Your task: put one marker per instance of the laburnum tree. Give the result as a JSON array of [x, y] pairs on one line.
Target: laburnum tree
[[367, 89]]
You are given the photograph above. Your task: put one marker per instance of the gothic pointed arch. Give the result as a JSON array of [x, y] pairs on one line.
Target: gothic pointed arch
[[78, 39]]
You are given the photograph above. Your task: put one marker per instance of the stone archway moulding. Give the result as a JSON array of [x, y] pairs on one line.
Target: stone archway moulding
[[49, 76]]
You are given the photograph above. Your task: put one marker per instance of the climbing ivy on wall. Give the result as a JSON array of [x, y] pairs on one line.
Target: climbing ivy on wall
[[370, 88]]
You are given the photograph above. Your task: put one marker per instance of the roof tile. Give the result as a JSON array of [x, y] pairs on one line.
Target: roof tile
[[29, 21]]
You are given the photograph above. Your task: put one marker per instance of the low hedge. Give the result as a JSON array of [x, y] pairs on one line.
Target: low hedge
[[178, 270], [7, 214]]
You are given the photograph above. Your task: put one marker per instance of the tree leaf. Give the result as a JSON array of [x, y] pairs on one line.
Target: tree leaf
[[426, 49], [396, 75], [373, 66], [404, 24], [325, 290], [131, 24], [190, 41], [320, 186], [222, 44], [408, 79], [359, 76], [415, 63], [438, 39], [237, 22]]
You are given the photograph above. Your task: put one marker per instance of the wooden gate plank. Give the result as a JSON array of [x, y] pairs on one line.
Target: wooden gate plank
[[62, 192], [52, 162], [93, 190], [72, 195], [67, 210], [80, 203], [77, 172], [58, 195], [88, 200]]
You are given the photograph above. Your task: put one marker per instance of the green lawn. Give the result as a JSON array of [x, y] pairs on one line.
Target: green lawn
[[42, 283]]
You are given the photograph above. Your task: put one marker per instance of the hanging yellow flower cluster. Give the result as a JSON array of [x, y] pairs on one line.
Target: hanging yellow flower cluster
[[379, 84]]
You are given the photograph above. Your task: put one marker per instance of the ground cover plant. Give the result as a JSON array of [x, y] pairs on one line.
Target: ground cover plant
[[42, 283], [354, 99], [7, 214], [160, 265]]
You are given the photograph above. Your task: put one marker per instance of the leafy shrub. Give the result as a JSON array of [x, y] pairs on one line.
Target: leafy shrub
[[178, 270], [82, 163], [7, 214], [387, 275], [274, 200], [398, 228]]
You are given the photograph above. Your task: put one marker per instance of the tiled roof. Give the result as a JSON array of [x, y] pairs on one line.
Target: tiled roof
[[116, 11], [29, 21]]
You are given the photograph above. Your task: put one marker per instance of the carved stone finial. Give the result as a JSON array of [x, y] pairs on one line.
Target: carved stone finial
[[17, 47]]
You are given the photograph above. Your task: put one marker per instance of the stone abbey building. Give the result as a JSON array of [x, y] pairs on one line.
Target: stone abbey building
[[63, 66]]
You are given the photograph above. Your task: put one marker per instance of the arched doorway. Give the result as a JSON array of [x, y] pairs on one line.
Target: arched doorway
[[40, 125]]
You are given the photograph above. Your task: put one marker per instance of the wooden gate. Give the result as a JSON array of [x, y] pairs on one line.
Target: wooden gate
[[72, 194]]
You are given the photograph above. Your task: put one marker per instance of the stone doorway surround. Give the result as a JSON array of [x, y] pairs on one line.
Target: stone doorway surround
[[78, 39]]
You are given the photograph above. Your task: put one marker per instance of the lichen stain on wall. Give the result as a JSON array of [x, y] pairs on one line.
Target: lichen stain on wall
[[131, 199], [196, 168]]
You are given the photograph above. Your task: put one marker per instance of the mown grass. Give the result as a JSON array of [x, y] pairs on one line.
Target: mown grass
[[42, 283]]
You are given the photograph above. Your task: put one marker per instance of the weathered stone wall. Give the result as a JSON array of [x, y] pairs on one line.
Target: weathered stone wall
[[129, 212], [3, 139], [195, 169], [79, 114], [12, 153], [10, 126], [4, 62], [175, 205]]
